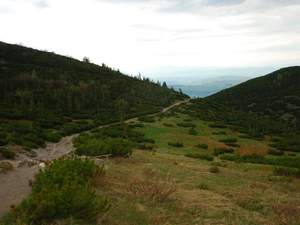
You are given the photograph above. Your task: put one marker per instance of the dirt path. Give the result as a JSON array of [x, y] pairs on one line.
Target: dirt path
[[14, 186]]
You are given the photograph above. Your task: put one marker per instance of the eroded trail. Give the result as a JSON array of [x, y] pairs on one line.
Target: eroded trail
[[14, 185]]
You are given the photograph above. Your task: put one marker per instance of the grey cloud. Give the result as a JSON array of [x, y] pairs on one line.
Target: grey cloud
[[194, 6]]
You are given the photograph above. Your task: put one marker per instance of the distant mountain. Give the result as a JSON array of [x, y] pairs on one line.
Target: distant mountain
[[208, 87], [276, 95]]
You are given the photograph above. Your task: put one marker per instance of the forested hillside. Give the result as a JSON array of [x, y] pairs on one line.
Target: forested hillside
[[40, 91], [276, 95], [259, 108]]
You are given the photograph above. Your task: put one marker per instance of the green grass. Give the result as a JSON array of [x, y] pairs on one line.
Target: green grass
[[218, 192]]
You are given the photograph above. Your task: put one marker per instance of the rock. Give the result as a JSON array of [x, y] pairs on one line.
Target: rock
[[42, 165]]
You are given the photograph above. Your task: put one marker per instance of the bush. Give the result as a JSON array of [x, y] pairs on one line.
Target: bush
[[62, 190], [234, 145], [217, 125], [229, 140], [200, 156], [284, 161], [285, 171], [52, 136], [221, 151], [149, 140], [168, 125], [186, 124], [3, 139], [137, 125], [275, 139], [7, 153], [192, 131], [275, 152], [95, 147], [147, 119], [202, 186], [229, 157], [214, 169], [202, 146], [145, 147], [219, 133], [176, 144]]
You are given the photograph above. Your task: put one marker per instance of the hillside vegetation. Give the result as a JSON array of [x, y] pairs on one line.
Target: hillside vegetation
[[44, 96], [276, 95], [259, 108], [213, 175]]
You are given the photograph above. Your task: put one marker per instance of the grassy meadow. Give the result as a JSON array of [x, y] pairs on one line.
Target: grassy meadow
[[182, 178]]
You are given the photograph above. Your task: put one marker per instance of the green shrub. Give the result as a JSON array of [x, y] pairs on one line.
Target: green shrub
[[275, 139], [186, 124], [168, 125], [7, 153], [200, 156], [214, 169], [95, 147], [77, 127], [149, 140], [286, 171], [234, 145], [221, 151], [284, 161], [202, 146], [147, 119], [145, 146], [217, 125], [229, 140], [3, 139], [219, 133], [202, 186], [52, 136], [229, 157], [275, 152], [176, 144], [137, 125], [62, 190], [193, 131]]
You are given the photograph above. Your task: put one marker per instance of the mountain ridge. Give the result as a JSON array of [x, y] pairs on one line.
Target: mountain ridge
[[275, 95]]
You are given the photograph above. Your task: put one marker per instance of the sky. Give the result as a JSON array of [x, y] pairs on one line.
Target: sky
[[183, 40]]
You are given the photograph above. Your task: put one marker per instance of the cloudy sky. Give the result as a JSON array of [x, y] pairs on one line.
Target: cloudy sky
[[161, 38]]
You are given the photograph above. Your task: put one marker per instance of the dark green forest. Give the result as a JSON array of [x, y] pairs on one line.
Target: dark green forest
[[276, 96], [44, 96]]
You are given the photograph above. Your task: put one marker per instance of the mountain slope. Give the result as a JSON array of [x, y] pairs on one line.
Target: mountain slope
[[34, 82], [276, 95], [42, 91]]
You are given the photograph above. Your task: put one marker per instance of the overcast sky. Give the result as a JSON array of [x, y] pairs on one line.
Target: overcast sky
[[161, 37]]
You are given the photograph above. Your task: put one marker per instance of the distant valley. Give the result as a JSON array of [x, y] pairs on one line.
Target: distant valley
[[210, 86]]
